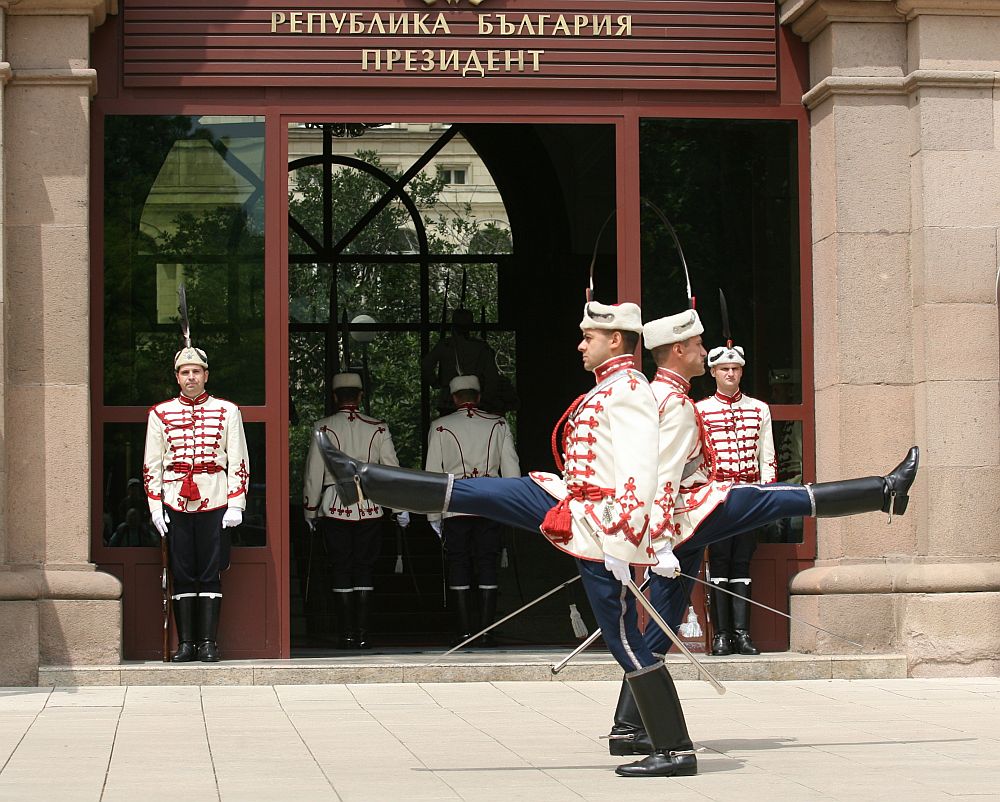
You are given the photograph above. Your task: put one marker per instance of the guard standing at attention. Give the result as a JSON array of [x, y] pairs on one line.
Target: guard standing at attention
[[740, 430], [352, 528], [195, 472], [470, 444]]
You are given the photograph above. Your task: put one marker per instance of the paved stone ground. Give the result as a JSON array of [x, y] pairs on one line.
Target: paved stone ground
[[902, 739]]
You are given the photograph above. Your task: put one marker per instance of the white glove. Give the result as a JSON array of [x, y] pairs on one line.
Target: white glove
[[233, 517], [620, 568], [403, 519], [160, 521], [436, 526], [310, 520], [667, 564]]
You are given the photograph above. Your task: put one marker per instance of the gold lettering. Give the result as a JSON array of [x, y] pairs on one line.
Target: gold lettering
[[510, 56], [526, 23], [428, 65], [624, 25], [315, 16], [391, 57], [375, 55], [399, 23], [441, 24], [277, 18], [602, 24], [420, 24], [295, 22], [561, 26], [473, 64], [449, 60], [534, 59], [580, 21], [338, 22], [485, 26]]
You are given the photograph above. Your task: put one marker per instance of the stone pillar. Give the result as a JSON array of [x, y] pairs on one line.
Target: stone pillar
[[62, 609], [905, 217]]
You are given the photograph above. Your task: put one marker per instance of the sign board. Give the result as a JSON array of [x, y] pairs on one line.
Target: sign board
[[597, 44]]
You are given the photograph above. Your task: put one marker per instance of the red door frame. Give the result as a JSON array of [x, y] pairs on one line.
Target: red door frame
[[279, 106]]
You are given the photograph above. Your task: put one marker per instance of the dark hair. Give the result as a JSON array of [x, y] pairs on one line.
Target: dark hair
[[631, 340], [466, 396], [347, 395]]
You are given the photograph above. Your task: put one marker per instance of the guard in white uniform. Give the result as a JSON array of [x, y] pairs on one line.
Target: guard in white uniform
[[195, 472], [471, 444], [352, 529], [739, 428]]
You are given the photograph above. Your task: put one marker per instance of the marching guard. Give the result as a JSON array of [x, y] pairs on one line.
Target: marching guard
[[740, 430], [471, 444], [694, 508], [351, 527], [196, 472], [597, 510]]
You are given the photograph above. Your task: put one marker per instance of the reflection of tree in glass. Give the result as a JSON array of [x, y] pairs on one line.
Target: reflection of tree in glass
[[387, 292]]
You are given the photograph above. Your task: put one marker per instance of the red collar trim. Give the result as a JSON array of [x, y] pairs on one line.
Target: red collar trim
[[613, 365], [347, 408], [729, 399], [667, 375], [193, 402], [468, 405]]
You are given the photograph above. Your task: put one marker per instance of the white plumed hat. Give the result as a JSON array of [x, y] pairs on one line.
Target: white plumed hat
[[726, 355], [616, 317], [673, 329], [463, 383], [347, 380]]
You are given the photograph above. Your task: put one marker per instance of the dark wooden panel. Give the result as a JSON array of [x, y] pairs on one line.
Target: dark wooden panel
[[670, 44]]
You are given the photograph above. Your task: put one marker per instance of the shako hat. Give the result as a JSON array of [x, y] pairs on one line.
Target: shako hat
[[672, 329], [188, 355], [726, 355], [344, 380], [615, 317], [460, 383]]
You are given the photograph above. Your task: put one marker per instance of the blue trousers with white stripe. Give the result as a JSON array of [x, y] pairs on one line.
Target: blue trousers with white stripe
[[745, 508], [521, 503]]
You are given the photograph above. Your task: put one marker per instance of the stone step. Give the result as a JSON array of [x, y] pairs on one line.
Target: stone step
[[474, 665]]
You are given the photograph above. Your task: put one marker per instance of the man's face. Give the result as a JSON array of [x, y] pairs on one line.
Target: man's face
[[728, 377], [192, 379], [598, 346], [692, 355]]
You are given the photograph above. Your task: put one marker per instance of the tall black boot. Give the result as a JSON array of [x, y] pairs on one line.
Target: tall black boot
[[871, 494], [722, 621], [628, 736], [460, 599], [399, 488], [184, 621], [663, 718], [343, 611], [488, 614], [741, 617], [209, 608], [362, 612]]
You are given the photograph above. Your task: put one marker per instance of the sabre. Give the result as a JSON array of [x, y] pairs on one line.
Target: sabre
[[585, 645], [651, 610], [165, 589], [507, 617], [771, 609]]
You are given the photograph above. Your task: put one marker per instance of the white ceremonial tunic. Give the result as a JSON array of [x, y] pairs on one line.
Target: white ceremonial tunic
[[470, 443], [740, 429], [196, 456], [609, 468], [358, 436], [687, 489]]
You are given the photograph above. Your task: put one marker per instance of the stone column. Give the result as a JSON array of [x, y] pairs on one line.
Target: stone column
[[47, 584], [905, 214]]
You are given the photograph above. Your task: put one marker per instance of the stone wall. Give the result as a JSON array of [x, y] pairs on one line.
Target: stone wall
[[905, 170], [54, 607]]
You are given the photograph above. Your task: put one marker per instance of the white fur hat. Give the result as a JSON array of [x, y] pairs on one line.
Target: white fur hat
[[726, 355], [190, 356], [347, 380], [673, 329], [616, 317], [463, 383]]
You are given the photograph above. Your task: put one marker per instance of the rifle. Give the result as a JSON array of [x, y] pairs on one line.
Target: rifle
[[165, 588]]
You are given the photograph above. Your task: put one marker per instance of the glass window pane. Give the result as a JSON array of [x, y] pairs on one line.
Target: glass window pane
[[126, 520], [184, 203], [730, 189]]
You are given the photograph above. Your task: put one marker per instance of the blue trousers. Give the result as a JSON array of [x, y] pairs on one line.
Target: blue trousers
[[521, 503], [745, 508]]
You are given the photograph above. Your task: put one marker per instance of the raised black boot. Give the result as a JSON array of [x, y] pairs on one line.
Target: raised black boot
[[628, 736], [362, 612], [741, 617], [343, 611], [460, 599], [399, 488], [722, 621], [184, 621], [662, 716], [888, 493], [209, 608], [488, 614]]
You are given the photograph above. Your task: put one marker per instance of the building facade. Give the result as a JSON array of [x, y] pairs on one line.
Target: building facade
[[891, 201]]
